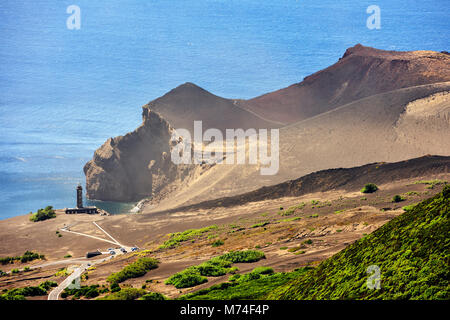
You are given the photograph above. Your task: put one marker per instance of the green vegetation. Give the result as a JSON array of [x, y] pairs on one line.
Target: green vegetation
[[27, 257], [243, 256], [217, 243], [88, 292], [412, 252], [43, 214], [290, 219], [431, 183], [409, 207], [263, 270], [187, 278], [21, 293], [115, 287], [62, 272], [215, 267], [261, 224], [291, 210], [295, 249], [176, 238], [369, 188], [125, 294], [134, 270], [398, 198], [153, 296], [251, 286]]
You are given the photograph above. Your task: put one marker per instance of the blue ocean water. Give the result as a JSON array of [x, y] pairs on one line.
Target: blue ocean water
[[64, 92]]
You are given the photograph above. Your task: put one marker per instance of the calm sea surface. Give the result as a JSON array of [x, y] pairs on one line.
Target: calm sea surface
[[64, 92]]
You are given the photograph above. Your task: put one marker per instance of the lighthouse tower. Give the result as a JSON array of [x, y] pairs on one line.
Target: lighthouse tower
[[79, 196]]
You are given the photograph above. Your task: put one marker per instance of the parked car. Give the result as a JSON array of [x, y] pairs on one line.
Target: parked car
[[134, 249], [93, 254], [112, 252], [123, 250]]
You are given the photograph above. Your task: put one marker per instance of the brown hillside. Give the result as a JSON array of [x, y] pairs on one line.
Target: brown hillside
[[361, 72], [188, 102]]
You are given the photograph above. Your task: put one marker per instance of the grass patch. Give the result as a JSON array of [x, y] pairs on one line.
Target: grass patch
[[176, 238], [261, 224], [290, 219], [217, 243], [125, 294], [88, 292], [133, 270], [21, 293], [251, 286], [215, 267], [431, 183], [26, 257]]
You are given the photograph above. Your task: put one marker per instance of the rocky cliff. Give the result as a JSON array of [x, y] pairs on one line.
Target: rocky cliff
[[134, 166]]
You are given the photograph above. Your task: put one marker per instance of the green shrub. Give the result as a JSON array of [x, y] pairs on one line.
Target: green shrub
[[217, 266], [243, 256], [26, 257], [21, 293], [251, 286], [398, 198], [176, 238], [134, 270], [263, 270], [218, 243], [115, 287], [187, 278], [125, 294], [369, 188], [43, 214], [153, 296]]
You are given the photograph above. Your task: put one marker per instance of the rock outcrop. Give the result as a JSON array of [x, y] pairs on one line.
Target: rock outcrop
[[135, 166]]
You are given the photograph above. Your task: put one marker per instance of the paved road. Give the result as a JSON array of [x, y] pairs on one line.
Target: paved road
[[54, 294], [88, 235]]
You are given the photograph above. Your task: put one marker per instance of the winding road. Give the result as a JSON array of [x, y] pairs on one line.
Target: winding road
[[56, 292]]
